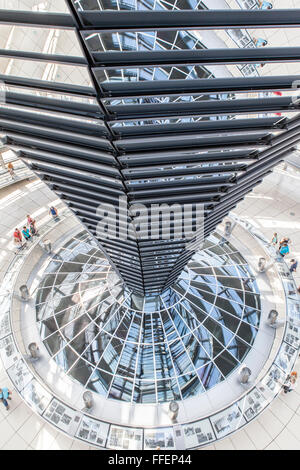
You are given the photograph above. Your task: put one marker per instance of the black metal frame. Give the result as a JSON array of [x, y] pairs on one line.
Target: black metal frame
[[81, 148]]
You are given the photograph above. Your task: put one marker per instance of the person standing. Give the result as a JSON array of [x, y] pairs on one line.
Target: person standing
[[30, 220], [260, 42], [283, 241], [263, 5], [291, 382], [33, 231], [53, 211], [31, 225], [5, 395], [293, 267], [26, 233], [18, 238], [274, 240], [11, 170], [284, 250]]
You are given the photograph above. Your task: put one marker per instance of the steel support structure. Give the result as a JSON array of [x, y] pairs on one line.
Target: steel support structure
[[150, 141]]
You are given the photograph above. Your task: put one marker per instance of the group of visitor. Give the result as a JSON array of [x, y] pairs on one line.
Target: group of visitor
[[21, 237], [283, 249]]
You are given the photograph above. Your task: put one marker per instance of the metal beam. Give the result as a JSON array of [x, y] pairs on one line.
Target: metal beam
[[95, 155], [198, 127], [181, 186], [197, 141], [203, 156], [141, 20], [41, 57], [21, 115], [56, 135], [34, 84], [54, 104], [80, 152], [63, 161], [66, 181], [203, 108], [36, 19], [199, 86], [81, 175], [203, 57], [168, 171]]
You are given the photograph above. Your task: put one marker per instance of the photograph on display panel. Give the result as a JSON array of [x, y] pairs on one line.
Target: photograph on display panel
[[93, 431], [125, 438], [62, 416], [159, 439], [198, 433]]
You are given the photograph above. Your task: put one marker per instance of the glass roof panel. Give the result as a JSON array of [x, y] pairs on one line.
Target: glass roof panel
[[163, 347]]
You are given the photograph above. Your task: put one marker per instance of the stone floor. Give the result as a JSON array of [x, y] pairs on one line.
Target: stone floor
[[272, 206]]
